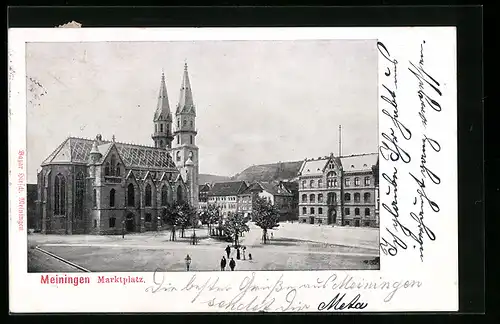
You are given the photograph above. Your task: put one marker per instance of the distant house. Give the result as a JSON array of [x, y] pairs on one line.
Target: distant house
[[225, 195], [276, 193], [203, 195]]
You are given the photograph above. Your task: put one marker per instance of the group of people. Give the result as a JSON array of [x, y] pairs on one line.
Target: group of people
[[232, 264]]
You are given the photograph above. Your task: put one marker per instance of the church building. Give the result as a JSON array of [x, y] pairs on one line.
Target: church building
[[98, 186]]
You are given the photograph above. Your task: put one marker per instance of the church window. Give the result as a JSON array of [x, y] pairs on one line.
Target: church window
[[112, 222], [184, 123], [161, 128], [113, 164], [118, 170], [191, 139], [179, 194], [130, 195], [178, 139], [94, 199], [106, 169], [112, 198], [80, 192], [59, 195], [148, 195], [156, 128], [164, 195], [178, 123]]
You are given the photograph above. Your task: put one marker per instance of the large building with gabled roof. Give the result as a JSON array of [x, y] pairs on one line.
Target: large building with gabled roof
[[340, 190], [103, 186]]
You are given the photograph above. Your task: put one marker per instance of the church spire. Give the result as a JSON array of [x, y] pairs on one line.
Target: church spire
[[162, 107], [186, 104]]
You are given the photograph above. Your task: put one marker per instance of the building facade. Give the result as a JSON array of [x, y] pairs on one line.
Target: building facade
[[225, 196], [274, 192], [203, 196], [103, 186], [341, 191]]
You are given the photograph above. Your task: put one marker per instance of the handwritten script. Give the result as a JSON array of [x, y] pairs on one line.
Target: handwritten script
[[258, 292], [409, 229]]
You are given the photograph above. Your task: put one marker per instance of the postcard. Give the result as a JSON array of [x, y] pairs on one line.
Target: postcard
[[233, 170]]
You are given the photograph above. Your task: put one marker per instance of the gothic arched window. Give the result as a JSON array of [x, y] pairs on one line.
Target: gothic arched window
[[80, 193], [59, 195], [130, 195], [191, 139], [118, 170], [148, 195], [179, 194], [113, 164], [164, 195], [106, 169], [112, 198]]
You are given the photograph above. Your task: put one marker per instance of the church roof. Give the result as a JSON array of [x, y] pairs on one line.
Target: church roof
[[77, 150], [186, 103], [162, 107]]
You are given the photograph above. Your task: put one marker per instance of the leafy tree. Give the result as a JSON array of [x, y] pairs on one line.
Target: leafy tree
[[266, 216], [178, 214], [235, 225], [210, 215]]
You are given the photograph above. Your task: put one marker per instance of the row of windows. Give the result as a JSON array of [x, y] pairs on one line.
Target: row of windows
[[332, 197], [223, 198], [147, 196], [347, 211], [161, 129], [191, 139], [331, 182]]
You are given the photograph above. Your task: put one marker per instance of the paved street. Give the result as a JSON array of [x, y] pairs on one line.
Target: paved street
[[293, 247]]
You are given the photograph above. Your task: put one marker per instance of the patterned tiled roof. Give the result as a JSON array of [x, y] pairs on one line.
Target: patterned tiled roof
[[77, 150], [231, 188]]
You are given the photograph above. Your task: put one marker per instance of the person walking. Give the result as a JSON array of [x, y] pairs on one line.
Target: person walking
[[272, 235], [238, 256], [123, 229], [188, 262], [228, 251], [223, 263], [244, 250], [232, 264]]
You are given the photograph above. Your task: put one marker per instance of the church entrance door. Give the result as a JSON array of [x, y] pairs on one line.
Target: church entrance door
[[129, 223]]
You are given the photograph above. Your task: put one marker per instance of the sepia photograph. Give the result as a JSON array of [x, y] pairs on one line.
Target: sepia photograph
[[183, 156]]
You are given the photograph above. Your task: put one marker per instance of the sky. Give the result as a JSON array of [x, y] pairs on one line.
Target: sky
[[257, 101]]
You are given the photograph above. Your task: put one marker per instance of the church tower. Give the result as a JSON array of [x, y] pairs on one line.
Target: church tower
[[162, 120], [185, 152]]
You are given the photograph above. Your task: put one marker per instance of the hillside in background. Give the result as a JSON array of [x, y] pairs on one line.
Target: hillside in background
[[210, 178], [270, 172]]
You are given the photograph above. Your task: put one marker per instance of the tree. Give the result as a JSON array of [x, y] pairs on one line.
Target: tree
[[235, 225], [210, 215], [266, 216], [177, 214]]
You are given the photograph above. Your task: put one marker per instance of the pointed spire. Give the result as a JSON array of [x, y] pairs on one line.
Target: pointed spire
[[186, 96], [162, 107]]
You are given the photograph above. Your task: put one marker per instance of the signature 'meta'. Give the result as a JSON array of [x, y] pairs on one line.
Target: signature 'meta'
[[337, 303]]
